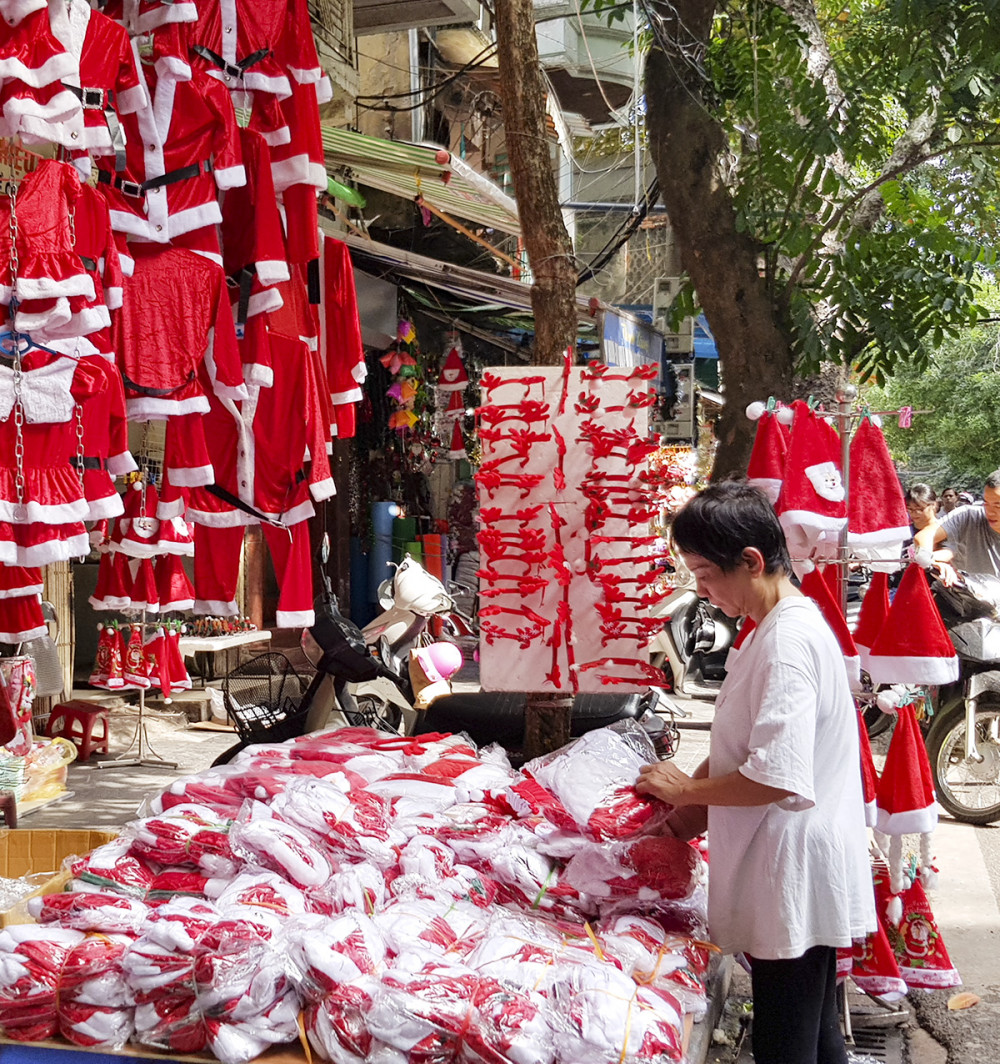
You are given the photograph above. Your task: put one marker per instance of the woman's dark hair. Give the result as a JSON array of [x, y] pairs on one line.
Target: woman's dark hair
[[719, 522], [921, 494]]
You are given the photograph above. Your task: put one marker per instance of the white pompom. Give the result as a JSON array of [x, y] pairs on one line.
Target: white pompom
[[755, 411], [100, 626], [137, 485], [888, 701], [167, 701], [894, 911], [923, 557], [929, 878], [877, 420], [786, 415]]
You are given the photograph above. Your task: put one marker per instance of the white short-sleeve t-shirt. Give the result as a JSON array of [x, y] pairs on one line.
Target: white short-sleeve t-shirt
[[795, 874]]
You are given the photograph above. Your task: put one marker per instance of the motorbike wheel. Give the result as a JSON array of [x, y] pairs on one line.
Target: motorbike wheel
[[969, 791]]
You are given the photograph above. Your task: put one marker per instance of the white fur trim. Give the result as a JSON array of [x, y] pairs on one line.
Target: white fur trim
[[277, 138], [127, 222], [294, 618], [151, 408], [198, 217], [216, 607], [49, 287], [167, 509], [16, 10], [352, 395], [230, 177], [272, 271], [770, 486], [814, 522], [291, 171], [31, 633], [233, 392], [323, 489], [258, 376], [106, 507], [113, 297], [120, 464], [360, 372], [909, 822], [884, 669], [172, 67], [879, 537], [57, 67], [46, 553], [266, 301], [176, 607], [220, 518], [871, 812], [159, 16], [306, 75], [324, 90], [191, 476], [53, 318], [297, 514], [128, 101], [21, 592], [63, 513]]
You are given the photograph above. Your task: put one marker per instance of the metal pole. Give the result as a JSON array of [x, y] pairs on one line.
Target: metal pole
[[846, 396]]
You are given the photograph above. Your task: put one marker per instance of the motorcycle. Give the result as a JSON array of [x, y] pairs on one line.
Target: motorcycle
[[694, 640], [963, 739]]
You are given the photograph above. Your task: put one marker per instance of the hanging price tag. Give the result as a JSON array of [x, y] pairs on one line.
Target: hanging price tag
[[905, 417]]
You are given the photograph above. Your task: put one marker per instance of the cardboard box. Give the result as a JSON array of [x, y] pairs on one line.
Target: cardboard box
[[38, 852]]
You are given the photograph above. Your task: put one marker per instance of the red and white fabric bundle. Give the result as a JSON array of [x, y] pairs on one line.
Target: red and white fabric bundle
[[307, 878]]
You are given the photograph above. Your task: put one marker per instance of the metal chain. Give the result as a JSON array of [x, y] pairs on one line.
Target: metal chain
[[78, 412], [20, 510], [144, 472]]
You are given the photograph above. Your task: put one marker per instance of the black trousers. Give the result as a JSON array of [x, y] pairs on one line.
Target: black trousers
[[795, 1019]]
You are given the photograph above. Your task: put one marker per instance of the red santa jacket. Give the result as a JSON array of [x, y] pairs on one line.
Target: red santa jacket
[[174, 330], [259, 446], [181, 150], [342, 350], [144, 16], [108, 78]]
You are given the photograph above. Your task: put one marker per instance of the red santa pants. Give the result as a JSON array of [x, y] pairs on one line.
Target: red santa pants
[[217, 566]]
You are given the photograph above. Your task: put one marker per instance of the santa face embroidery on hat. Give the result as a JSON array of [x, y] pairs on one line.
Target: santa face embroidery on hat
[[826, 482]]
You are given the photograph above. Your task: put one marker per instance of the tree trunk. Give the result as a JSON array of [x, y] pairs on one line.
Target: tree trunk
[[687, 147], [553, 291]]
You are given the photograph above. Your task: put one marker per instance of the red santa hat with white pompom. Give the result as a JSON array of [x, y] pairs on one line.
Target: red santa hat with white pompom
[[871, 618], [877, 521], [453, 377], [457, 449], [766, 468]]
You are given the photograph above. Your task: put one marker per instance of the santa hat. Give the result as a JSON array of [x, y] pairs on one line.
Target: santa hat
[[913, 645], [456, 406], [457, 449], [172, 584], [869, 777], [114, 583], [175, 536], [818, 590], [135, 659], [177, 670], [874, 967], [108, 662], [138, 526], [144, 593], [812, 506], [917, 943], [453, 377], [877, 521], [871, 618], [155, 652], [767, 459]]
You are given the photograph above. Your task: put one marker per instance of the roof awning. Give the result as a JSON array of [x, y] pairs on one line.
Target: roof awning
[[411, 170]]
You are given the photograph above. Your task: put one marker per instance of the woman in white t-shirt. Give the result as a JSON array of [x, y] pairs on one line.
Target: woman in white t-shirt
[[790, 880]]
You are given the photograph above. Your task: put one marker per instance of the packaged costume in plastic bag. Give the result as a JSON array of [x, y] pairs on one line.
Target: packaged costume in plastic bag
[[31, 960], [651, 868], [95, 1006], [262, 838], [589, 785], [337, 1026], [192, 836], [440, 925], [115, 867], [325, 953], [104, 912]]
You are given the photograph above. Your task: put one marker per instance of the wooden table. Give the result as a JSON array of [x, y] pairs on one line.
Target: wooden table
[[204, 648]]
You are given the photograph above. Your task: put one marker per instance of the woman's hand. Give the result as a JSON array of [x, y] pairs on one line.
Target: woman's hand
[[665, 781]]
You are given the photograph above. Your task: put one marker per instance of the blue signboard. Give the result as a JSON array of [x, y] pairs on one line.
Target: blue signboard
[[627, 342]]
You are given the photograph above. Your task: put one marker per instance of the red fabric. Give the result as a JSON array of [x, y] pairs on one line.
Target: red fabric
[[175, 318], [190, 119], [343, 352], [874, 610], [913, 627], [21, 618], [875, 498]]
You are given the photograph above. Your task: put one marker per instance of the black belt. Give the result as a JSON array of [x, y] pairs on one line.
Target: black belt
[[104, 100], [234, 70], [138, 189], [156, 392], [244, 282], [89, 264], [87, 462]]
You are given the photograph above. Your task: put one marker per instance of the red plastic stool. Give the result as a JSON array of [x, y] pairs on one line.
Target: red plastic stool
[[8, 808], [77, 720]]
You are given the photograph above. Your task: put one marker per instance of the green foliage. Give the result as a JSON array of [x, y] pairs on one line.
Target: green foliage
[[865, 177], [958, 441]]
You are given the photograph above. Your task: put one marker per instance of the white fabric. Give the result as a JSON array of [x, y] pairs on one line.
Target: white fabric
[[795, 874]]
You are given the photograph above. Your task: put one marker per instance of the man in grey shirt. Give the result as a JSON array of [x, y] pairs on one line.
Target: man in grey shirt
[[969, 536]]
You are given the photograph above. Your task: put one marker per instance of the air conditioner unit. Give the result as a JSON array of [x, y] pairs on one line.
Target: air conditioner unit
[[680, 340]]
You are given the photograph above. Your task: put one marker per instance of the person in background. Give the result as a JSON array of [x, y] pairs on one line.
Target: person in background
[[921, 505], [781, 788], [971, 533], [949, 500]]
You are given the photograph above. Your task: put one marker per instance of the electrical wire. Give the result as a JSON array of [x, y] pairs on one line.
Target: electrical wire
[[625, 233], [476, 60]]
